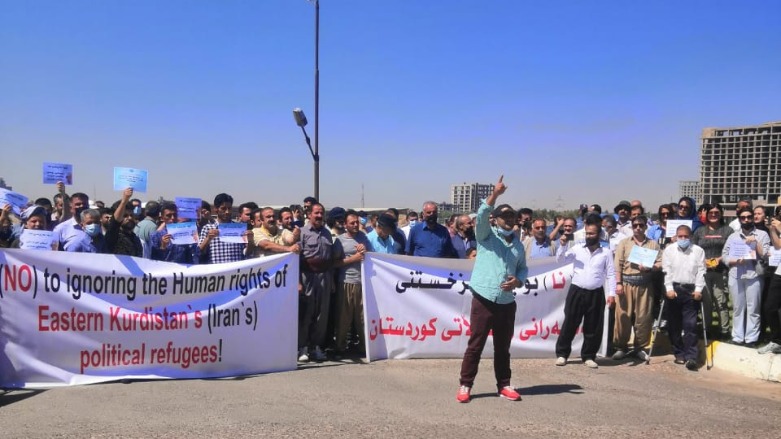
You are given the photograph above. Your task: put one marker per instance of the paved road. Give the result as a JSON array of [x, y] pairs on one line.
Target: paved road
[[410, 399]]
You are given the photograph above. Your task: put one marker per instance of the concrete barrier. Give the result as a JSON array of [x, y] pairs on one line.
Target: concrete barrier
[[745, 361]]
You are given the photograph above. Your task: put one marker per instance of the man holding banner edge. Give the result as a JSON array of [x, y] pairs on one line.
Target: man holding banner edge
[[500, 267]]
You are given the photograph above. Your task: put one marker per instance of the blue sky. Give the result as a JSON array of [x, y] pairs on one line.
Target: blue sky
[[592, 102]]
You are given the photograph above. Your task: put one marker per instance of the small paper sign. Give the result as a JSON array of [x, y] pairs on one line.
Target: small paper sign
[[56, 172], [232, 232], [188, 207], [130, 178]]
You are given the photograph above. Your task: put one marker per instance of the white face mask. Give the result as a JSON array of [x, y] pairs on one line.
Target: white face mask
[[413, 223]]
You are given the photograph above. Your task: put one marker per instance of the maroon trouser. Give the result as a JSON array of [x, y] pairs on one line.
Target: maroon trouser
[[489, 316]]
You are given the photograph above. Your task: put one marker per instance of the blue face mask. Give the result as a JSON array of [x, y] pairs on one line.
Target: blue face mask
[[683, 243], [363, 221], [92, 230], [413, 223], [504, 232]]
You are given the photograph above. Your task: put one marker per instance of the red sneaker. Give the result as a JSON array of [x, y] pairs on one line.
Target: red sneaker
[[508, 392], [463, 394]]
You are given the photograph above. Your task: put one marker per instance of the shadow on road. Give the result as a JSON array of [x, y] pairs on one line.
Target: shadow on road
[[8, 397], [551, 389], [544, 389]]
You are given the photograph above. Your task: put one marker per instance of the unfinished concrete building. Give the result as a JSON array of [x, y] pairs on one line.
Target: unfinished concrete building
[[741, 161]]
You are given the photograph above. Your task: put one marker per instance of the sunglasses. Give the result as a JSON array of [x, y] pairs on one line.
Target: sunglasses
[[746, 217], [638, 226]]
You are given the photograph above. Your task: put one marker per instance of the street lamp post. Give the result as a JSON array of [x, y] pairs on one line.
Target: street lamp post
[[316, 154], [298, 114]]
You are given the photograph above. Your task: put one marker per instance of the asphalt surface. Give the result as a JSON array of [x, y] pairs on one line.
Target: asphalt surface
[[410, 399]]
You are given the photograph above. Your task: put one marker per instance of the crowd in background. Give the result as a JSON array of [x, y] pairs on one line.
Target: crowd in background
[[332, 244]]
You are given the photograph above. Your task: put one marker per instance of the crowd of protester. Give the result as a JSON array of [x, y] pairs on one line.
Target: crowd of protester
[[332, 244]]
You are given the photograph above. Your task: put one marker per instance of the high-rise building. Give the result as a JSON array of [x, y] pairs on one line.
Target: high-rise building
[[741, 161], [467, 197], [691, 189]]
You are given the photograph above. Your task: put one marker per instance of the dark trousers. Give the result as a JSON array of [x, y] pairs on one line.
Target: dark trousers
[[313, 306], [683, 316], [587, 306], [772, 309], [489, 316]]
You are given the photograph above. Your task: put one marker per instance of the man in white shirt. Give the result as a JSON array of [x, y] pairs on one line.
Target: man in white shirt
[[412, 221], [684, 265], [585, 300]]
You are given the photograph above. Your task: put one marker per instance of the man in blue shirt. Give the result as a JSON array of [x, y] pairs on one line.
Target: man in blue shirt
[[500, 267], [430, 238]]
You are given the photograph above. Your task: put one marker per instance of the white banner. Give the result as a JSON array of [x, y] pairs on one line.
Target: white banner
[[419, 308], [71, 318]]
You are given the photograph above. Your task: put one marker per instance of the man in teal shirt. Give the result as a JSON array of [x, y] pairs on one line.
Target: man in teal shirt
[[500, 267]]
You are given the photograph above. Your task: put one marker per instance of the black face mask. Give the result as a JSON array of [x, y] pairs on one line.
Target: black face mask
[[432, 219], [748, 225], [79, 211], [5, 233], [590, 242]]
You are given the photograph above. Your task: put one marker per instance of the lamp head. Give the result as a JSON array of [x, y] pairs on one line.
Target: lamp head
[[298, 114]]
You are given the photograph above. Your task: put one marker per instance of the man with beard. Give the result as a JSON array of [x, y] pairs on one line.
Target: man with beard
[[634, 293], [352, 245], [464, 237], [500, 267], [267, 238], [317, 281], [523, 229], [120, 238], [745, 277], [429, 238], [593, 269], [162, 249], [291, 234], [335, 221]]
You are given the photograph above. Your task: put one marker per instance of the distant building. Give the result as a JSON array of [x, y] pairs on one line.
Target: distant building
[[741, 161], [446, 207], [467, 197], [691, 188]]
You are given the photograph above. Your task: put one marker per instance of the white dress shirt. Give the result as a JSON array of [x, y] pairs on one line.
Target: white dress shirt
[[591, 270], [684, 266]]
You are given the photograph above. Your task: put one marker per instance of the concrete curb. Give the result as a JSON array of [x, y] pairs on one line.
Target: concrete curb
[[744, 361]]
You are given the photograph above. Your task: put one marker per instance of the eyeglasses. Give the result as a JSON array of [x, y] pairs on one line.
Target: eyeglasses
[[714, 213], [638, 226], [664, 214], [746, 217], [683, 206]]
